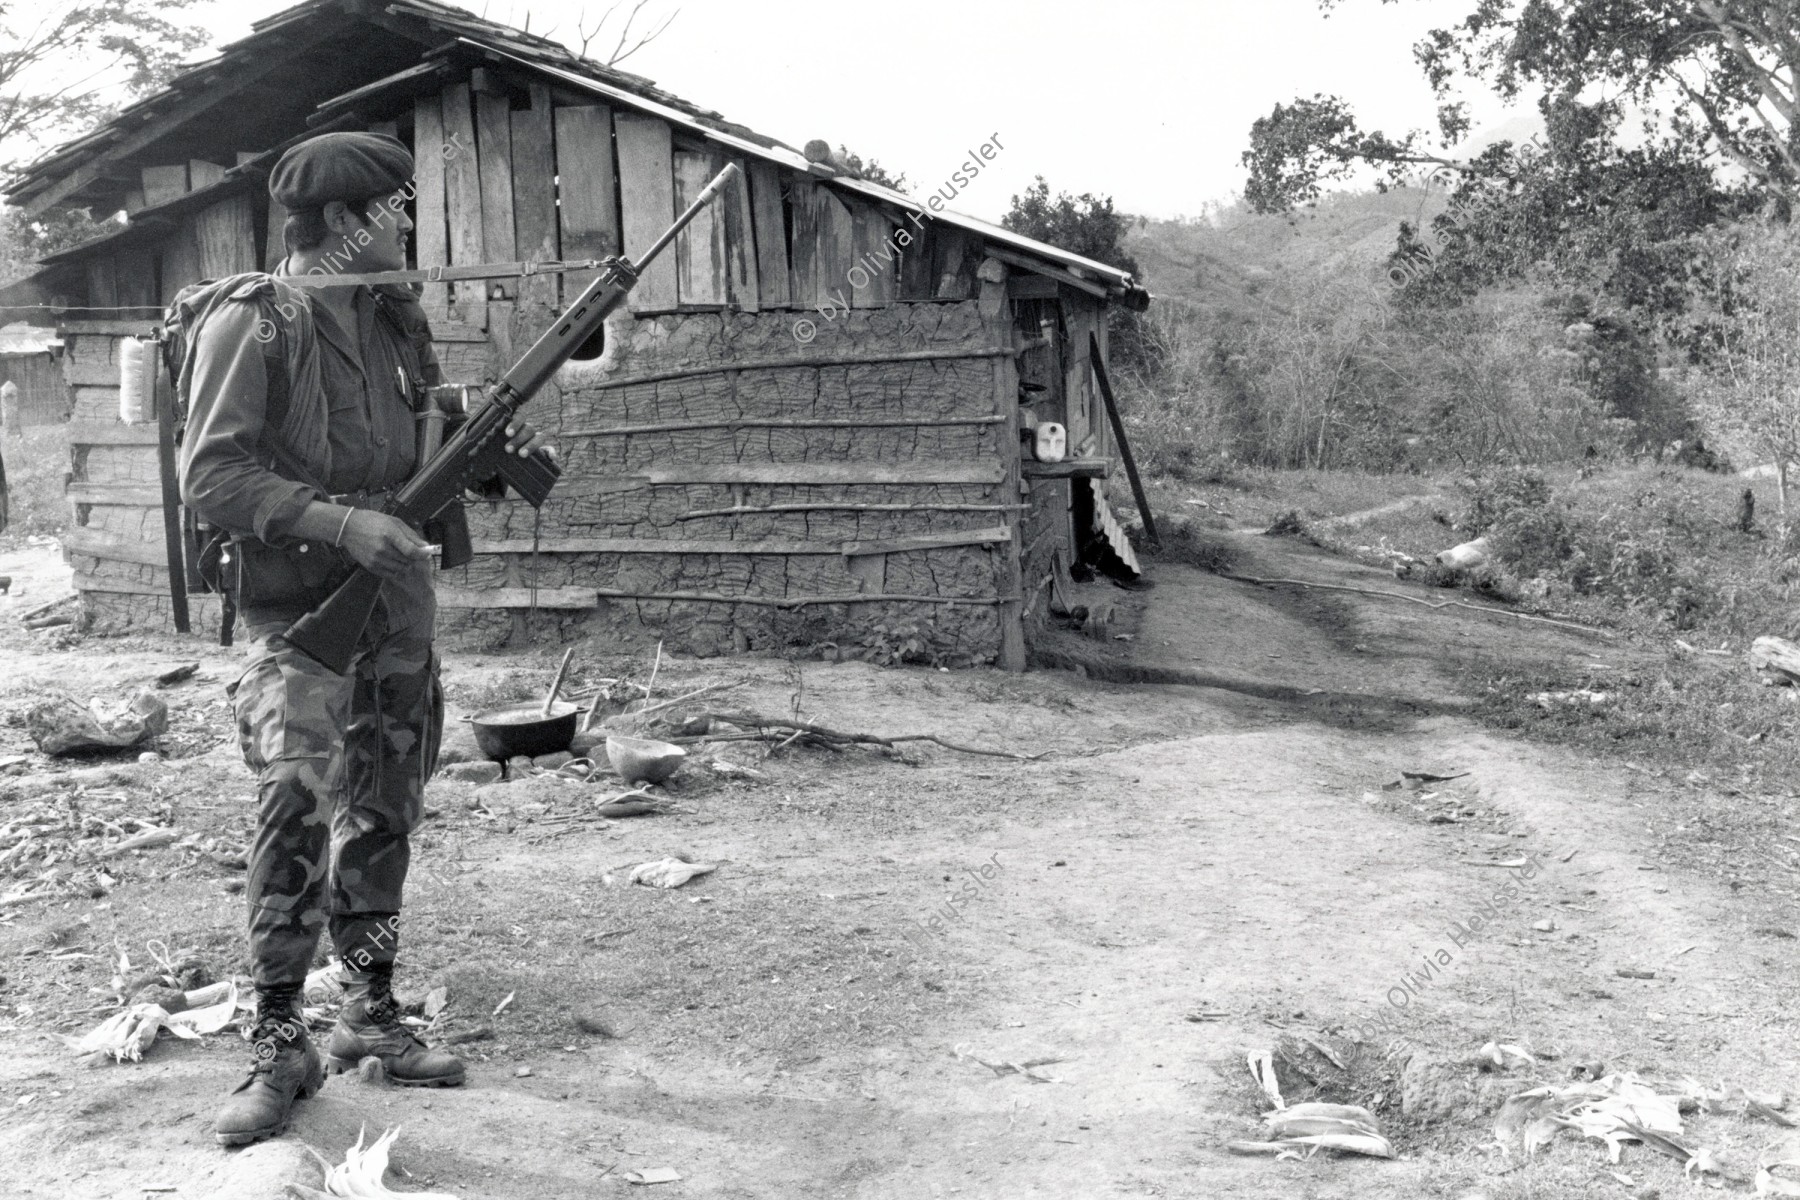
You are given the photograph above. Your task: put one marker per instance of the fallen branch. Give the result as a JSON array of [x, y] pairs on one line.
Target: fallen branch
[[785, 730], [1386, 595]]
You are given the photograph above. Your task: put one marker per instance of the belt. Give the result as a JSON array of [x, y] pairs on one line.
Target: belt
[[364, 498]]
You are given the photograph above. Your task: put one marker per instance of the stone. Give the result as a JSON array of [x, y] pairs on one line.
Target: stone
[[518, 767], [258, 1172], [1443, 1090], [484, 772], [549, 762]]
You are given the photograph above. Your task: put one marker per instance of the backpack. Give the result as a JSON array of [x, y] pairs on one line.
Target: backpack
[[206, 545]]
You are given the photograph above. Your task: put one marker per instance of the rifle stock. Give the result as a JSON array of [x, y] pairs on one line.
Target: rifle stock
[[330, 633]]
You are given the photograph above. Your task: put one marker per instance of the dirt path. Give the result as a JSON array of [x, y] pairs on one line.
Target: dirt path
[[791, 1023]]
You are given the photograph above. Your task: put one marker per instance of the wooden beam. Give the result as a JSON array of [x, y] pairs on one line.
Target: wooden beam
[[799, 601], [534, 194], [1027, 263], [129, 495], [909, 474], [626, 545], [462, 195], [587, 189], [735, 423], [518, 597], [96, 543], [770, 226], [602, 383], [647, 204], [102, 433], [120, 587], [1068, 468], [431, 233], [499, 238]]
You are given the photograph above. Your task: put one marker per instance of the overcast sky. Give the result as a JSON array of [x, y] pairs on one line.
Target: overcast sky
[[1149, 101]]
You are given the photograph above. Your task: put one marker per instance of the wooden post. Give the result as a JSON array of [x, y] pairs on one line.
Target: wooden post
[[1112, 412], [171, 492], [1009, 578]]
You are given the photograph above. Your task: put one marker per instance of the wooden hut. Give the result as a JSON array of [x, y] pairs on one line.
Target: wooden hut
[[806, 428], [28, 361]]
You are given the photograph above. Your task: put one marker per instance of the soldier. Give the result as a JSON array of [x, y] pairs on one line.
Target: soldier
[[300, 422]]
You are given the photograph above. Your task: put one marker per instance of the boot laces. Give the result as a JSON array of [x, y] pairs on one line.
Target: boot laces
[[273, 1033], [383, 1011]]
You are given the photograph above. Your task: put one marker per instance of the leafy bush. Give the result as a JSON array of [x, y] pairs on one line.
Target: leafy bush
[[1640, 546]]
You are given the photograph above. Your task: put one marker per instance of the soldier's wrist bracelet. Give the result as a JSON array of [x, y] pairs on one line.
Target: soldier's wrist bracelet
[[338, 541]]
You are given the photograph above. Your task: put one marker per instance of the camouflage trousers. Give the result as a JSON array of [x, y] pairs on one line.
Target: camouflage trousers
[[341, 764]]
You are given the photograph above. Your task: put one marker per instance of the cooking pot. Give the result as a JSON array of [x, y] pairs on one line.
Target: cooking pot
[[504, 733]]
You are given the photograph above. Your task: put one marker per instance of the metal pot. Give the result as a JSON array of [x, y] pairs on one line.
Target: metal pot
[[504, 733]]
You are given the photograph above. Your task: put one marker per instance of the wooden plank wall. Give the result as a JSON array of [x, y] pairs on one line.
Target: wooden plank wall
[[506, 176], [647, 203], [115, 541], [44, 396]]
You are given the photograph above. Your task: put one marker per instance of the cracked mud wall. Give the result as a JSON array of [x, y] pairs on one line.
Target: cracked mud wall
[[697, 435]]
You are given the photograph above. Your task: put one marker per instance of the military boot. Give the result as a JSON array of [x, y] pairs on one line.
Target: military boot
[[283, 1067], [369, 1024]]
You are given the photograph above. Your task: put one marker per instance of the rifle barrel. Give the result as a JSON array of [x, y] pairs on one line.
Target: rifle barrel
[[693, 210]]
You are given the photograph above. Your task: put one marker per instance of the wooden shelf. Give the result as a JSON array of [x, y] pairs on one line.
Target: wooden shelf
[[1069, 468]]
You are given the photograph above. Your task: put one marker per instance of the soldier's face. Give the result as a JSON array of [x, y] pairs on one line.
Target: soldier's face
[[387, 228], [376, 242]]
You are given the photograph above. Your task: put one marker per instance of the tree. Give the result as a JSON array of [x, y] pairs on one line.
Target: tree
[[63, 66], [1751, 396], [1721, 77], [1084, 224]]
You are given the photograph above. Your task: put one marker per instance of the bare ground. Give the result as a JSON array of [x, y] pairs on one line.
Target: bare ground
[[1195, 869]]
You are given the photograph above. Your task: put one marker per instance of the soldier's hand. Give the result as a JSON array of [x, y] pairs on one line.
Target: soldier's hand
[[522, 438], [385, 545]]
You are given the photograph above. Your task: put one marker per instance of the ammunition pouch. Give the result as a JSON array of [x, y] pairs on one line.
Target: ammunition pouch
[[281, 583]]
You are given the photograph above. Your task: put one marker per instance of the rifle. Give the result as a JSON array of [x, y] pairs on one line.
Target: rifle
[[477, 450]]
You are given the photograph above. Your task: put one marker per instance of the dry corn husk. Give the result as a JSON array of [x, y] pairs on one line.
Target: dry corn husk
[[1614, 1110], [360, 1175], [126, 1035], [1303, 1130], [1778, 1168]]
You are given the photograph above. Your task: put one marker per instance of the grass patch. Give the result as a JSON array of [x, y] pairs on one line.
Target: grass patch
[[37, 469]]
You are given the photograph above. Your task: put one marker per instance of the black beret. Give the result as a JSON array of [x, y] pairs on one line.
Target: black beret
[[340, 166]]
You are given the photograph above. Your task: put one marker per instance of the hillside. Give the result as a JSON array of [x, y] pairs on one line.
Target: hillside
[[1230, 256]]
